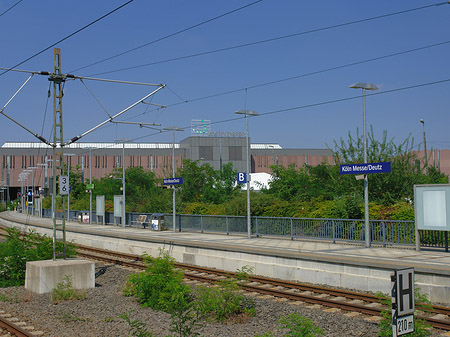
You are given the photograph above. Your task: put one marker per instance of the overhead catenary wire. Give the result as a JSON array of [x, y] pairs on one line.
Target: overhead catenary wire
[[249, 44], [312, 105], [320, 71], [169, 35], [67, 37], [8, 9]]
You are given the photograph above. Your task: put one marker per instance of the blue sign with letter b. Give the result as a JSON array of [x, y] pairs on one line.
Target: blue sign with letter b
[[241, 177]]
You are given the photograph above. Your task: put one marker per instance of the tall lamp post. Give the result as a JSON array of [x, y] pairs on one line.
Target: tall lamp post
[[124, 218], [26, 173], [42, 165], [173, 129], [425, 147], [68, 175], [248, 113], [364, 87], [90, 182], [32, 168]]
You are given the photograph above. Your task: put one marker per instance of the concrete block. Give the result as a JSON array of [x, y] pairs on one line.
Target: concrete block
[[43, 276]]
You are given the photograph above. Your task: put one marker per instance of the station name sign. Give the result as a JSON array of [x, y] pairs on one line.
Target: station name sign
[[172, 181], [366, 168]]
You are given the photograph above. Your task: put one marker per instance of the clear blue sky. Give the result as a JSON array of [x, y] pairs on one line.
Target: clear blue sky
[[34, 25]]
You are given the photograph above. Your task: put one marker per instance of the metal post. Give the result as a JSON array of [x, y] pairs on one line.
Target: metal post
[[90, 182], [68, 194], [425, 147], [124, 217], [173, 176], [366, 180], [173, 129], [249, 221], [364, 87]]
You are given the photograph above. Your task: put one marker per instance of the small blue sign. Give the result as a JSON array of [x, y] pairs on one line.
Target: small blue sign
[[366, 168], [241, 177], [172, 181], [29, 193]]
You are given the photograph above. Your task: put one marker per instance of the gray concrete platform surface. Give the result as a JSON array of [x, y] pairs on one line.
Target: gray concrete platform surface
[[348, 266]]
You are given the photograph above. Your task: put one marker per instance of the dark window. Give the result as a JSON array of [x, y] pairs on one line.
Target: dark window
[[235, 152], [206, 152]]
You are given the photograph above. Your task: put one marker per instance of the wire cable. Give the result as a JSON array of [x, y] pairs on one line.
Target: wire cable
[[67, 37], [18, 2], [168, 36], [269, 40], [306, 106], [185, 101], [96, 99]]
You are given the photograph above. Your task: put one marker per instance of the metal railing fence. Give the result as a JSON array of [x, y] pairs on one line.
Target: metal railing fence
[[384, 233]]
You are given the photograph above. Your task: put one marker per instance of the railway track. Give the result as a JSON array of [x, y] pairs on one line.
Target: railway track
[[367, 304], [437, 317], [8, 328]]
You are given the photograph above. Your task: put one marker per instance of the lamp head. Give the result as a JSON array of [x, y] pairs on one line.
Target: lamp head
[[362, 85], [422, 121]]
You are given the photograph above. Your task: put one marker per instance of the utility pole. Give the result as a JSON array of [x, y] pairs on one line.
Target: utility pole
[[58, 79]]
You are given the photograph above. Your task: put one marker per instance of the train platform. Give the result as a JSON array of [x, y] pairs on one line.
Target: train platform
[[343, 265]]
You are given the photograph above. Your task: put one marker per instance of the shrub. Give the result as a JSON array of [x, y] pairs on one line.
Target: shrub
[[223, 302], [17, 250], [160, 286]]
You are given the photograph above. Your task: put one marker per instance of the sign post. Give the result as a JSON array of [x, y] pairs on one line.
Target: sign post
[[402, 295]]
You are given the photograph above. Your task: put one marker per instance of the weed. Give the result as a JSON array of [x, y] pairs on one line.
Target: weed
[[296, 326], [224, 301], [136, 327], [67, 317], [244, 273], [420, 327], [4, 298], [299, 326], [108, 319], [64, 291], [185, 319]]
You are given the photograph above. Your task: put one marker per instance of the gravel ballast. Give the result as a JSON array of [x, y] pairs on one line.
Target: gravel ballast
[[98, 314]]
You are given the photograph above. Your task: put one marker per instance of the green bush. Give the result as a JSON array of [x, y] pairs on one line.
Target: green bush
[[17, 250], [223, 302], [160, 286]]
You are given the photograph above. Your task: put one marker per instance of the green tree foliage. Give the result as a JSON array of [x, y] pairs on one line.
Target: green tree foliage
[[17, 250], [203, 183], [385, 188]]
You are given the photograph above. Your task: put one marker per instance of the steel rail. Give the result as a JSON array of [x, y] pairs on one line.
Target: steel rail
[[13, 329]]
